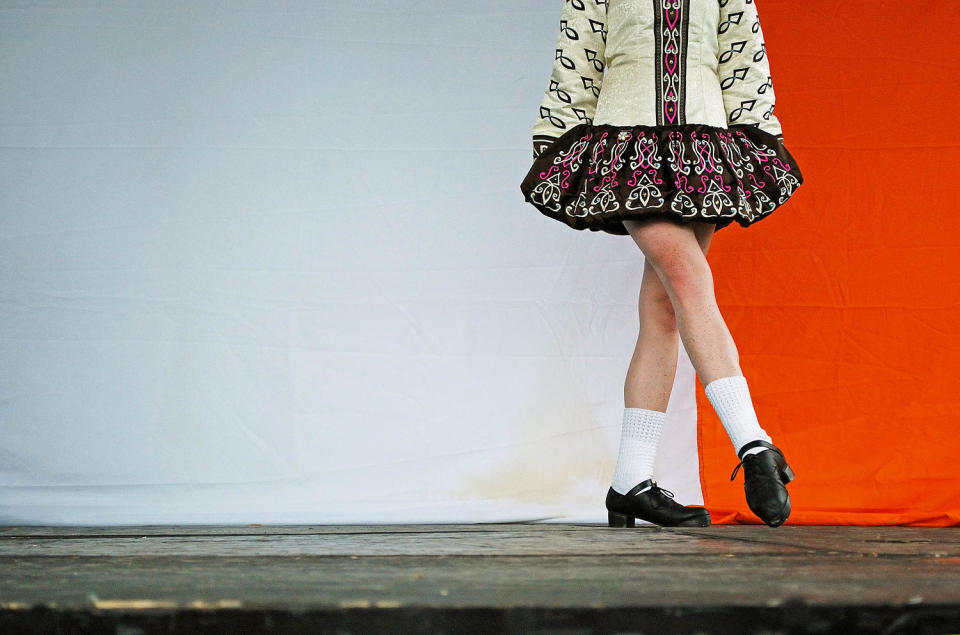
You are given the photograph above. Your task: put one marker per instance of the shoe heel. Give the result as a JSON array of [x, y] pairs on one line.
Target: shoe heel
[[620, 520], [786, 474]]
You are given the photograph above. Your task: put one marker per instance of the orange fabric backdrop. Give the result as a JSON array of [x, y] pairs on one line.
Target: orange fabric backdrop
[[845, 302]]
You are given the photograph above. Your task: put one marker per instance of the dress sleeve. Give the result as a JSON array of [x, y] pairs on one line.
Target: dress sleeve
[[744, 68], [579, 62]]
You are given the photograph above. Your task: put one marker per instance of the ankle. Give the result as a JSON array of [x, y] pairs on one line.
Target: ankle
[[639, 438], [730, 398]]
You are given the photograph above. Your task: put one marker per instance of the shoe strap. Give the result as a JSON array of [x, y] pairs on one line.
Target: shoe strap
[[639, 486], [756, 444], [643, 485], [753, 444]]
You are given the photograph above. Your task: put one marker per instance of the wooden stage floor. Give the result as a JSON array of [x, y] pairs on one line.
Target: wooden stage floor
[[514, 577]]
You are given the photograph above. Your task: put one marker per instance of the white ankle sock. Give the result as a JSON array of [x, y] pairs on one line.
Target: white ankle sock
[[639, 438], [730, 397]]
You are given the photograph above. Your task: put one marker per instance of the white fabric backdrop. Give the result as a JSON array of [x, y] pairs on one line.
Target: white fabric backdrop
[[268, 262]]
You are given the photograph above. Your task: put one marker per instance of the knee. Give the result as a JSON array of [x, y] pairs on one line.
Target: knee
[[687, 278], [656, 312]]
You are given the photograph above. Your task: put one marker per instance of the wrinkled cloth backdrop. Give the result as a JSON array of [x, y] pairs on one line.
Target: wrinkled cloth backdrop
[[268, 262]]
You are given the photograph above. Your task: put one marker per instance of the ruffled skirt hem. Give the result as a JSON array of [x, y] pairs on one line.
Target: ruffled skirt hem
[[596, 176]]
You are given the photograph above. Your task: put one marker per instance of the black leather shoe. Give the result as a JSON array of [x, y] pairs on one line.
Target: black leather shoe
[[764, 476], [656, 505]]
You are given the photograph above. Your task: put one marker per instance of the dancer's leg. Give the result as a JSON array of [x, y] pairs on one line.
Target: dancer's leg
[[675, 253], [650, 376], [654, 363], [653, 366]]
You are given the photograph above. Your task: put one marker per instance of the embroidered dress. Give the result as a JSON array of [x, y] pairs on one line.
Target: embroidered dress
[[659, 108]]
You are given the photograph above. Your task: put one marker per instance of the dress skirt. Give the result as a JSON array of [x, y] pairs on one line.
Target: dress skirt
[[659, 109], [595, 176]]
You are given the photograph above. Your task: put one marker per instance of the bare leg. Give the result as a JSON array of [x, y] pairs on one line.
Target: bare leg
[[677, 255], [653, 367], [654, 363], [679, 298]]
